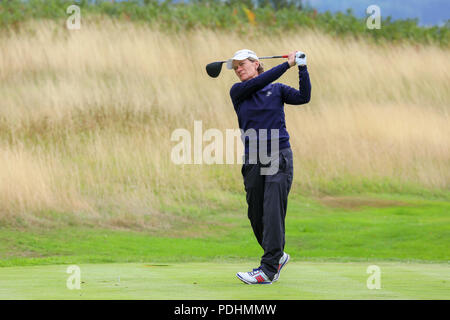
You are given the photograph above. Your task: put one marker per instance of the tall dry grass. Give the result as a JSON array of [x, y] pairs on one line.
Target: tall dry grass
[[86, 118]]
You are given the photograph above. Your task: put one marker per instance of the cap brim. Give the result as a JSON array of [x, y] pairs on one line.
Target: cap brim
[[230, 62], [240, 58]]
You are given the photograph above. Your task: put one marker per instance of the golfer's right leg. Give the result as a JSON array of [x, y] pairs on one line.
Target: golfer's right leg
[[254, 187]]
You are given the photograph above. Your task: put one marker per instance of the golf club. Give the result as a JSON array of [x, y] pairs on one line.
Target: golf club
[[213, 69]]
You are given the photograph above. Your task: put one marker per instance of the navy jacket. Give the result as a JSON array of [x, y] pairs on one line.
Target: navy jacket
[[259, 103]]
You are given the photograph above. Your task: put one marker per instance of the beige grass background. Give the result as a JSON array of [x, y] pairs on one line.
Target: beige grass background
[[86, 118]]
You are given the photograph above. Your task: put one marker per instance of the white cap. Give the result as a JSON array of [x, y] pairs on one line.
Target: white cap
[[241, 55]]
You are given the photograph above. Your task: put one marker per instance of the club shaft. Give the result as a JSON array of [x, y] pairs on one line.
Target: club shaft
[[272, 57], [268, 57]]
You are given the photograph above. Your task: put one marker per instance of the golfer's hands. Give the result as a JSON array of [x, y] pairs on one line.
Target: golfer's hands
[[294, 58], [291, 58], [300, 61]]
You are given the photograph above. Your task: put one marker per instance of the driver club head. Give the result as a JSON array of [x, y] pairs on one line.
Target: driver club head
[[213, 69]]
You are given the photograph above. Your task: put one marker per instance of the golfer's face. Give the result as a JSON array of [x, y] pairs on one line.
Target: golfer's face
[[245, 69]]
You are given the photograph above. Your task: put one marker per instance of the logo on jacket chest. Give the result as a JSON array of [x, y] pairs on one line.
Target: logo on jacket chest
[[269, 93]]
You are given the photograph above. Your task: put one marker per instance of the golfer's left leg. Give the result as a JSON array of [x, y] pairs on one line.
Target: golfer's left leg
[[276, 191]]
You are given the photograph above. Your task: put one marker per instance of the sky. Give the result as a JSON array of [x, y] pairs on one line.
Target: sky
[[429, 12]]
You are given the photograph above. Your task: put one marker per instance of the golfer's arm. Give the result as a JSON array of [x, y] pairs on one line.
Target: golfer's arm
[[242, 90], [301, 96]]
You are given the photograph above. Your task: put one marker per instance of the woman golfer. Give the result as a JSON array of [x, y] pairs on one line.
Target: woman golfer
[[259, 105]]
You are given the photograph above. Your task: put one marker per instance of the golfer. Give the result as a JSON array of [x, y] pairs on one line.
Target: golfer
[[259, 105]]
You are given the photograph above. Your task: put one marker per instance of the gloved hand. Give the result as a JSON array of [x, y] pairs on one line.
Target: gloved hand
[[300, 61]]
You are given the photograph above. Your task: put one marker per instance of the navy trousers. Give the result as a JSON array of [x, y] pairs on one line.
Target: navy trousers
[[267, 197]]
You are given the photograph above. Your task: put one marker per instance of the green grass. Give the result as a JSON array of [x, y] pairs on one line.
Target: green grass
[[330, 245], [299, 280], [401, 228]]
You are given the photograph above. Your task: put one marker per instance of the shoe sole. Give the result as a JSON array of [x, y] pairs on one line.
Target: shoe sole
[[279, 271], [247, 282]]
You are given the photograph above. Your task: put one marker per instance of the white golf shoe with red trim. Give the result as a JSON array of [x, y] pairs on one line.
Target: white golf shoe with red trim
[[257, 276]]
